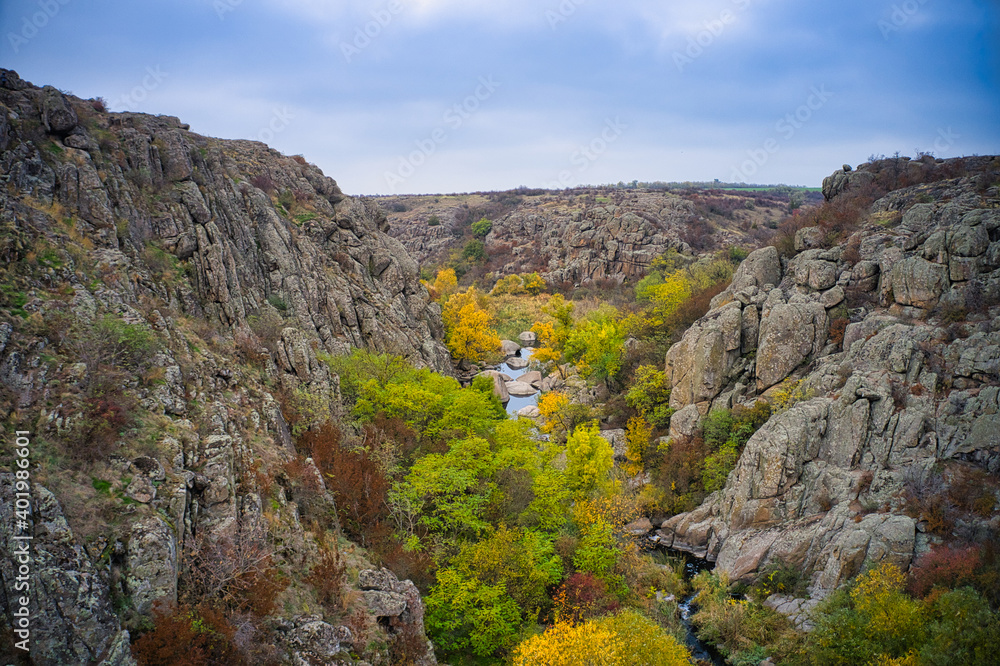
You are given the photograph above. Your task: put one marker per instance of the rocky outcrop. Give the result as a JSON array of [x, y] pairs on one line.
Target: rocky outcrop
[[579, 236], [223, 273], [399, 603], [821, 485], [790, 335], [251, 226], [703, 362], [312, 642], [72, 621]]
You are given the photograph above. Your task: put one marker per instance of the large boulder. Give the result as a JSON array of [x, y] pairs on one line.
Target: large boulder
[[790, 334], [808, 238], [762, 267], [699, 365], [529, 412], [499, 384], [509, 347], [384, 604], [57, 113], [918, 282], [516, 363], [966, 241], [313, 642], [398, 604], [813, 271], [521, 389], [533, 377]]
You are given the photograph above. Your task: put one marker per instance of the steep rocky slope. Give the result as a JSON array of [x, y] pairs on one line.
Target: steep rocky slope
[[581, 235], [181, 289], [895, 336]]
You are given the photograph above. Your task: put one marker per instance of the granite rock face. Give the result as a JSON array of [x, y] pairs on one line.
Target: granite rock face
[[72, 621], [579, 236], [324, 258], [242, 270], [910, 390]]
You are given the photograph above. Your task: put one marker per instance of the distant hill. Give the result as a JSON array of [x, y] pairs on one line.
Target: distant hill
[[585, 234]]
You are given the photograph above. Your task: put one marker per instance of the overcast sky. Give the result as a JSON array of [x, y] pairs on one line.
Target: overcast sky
[[420, 96]]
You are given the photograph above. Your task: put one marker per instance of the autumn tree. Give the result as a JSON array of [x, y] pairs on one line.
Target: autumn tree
[[188, 636], [468, 333], [625, 639], [668, 296], [649, 395], [511, 284], [533, 283], [553, 407], [875, 620], [596, 345], [552, 335], [637, 437], [445, 283]]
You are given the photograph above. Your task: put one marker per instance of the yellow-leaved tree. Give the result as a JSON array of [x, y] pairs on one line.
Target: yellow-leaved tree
[[667, 297], [468, 333], [637, 436], [552, 336], [511, 284], [534, 284], [625, 639], [553, 407], [445, 284]]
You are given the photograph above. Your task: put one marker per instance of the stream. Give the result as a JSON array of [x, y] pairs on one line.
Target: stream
[[700, 651], [515, 402]]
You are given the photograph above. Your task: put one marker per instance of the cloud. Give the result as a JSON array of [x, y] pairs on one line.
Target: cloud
[[562, 79]]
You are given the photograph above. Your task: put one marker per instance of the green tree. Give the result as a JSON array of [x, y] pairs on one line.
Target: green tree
[[474, 251], [464, 613], [589, 459], [481, 228], [448, 491], [649, 395], [963, 630], [525, 562]]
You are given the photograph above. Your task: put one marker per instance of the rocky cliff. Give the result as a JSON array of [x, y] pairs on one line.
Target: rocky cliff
[[578, 236], [180, 289], [888, 439]]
